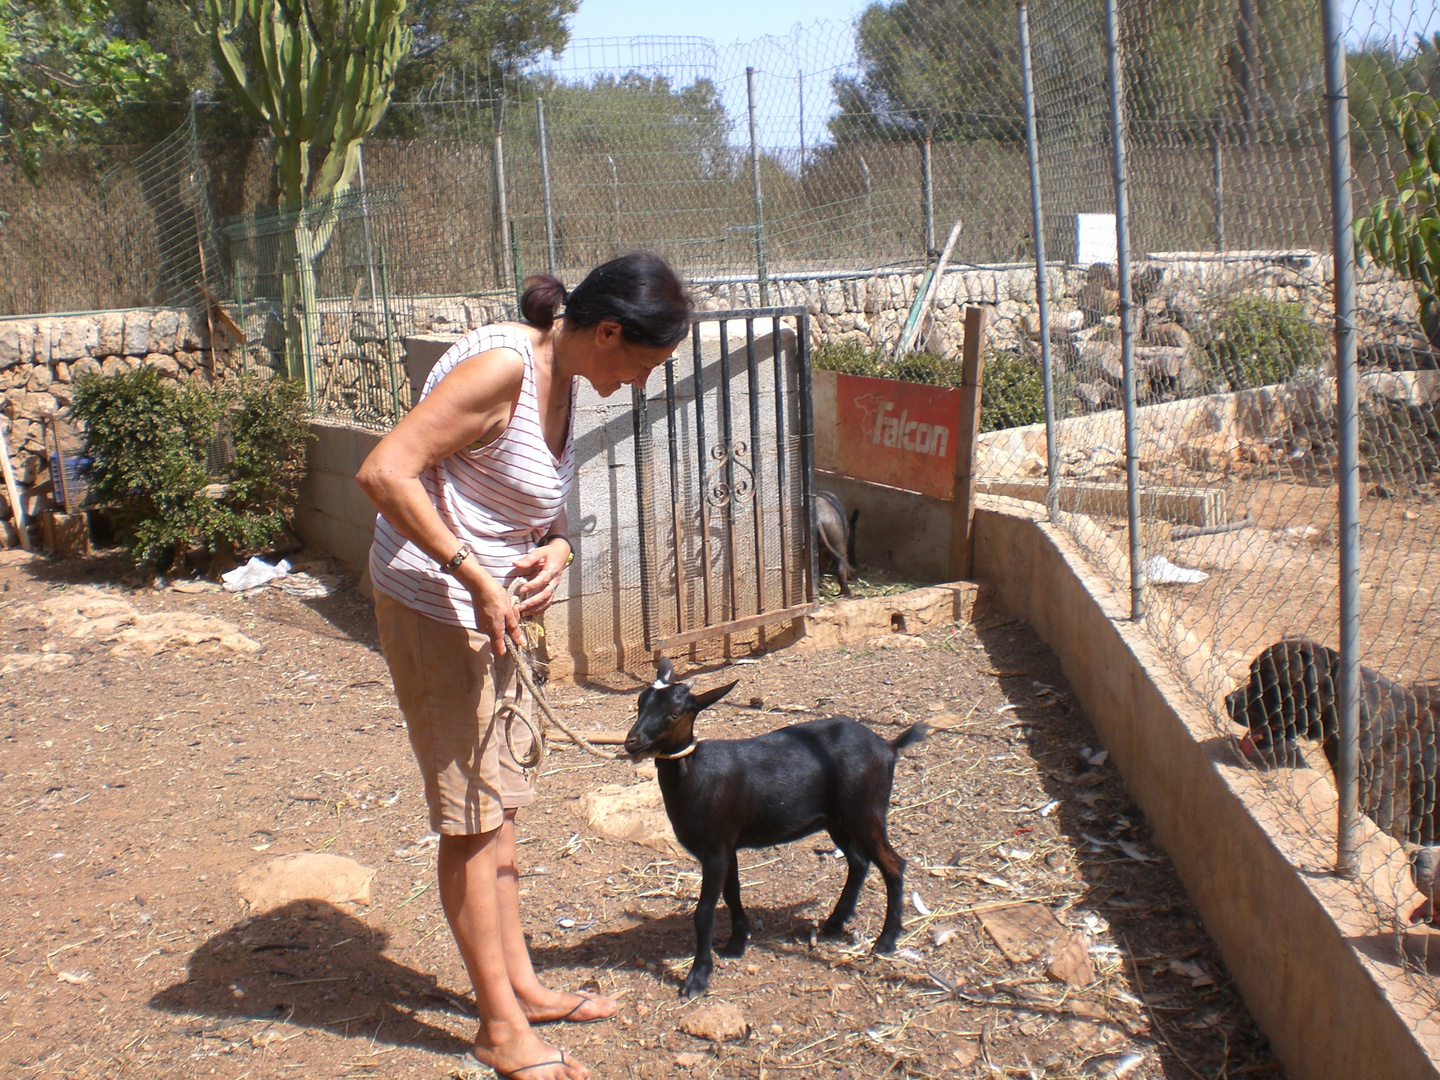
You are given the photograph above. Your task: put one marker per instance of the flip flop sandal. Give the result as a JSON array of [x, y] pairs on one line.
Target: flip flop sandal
[[472, 1068], [566, 1019]]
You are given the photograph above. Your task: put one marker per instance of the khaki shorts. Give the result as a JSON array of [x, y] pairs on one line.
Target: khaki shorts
[[445, 679]]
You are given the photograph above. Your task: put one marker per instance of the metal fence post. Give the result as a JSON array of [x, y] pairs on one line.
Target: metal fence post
[[927, 180], [507, 273], [545, 186], [615, 189], [760, 271], [1127, 312], [1348, 692], [1042, 284]]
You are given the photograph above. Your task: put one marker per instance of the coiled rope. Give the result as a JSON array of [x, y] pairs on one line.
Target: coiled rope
[[521, 656]]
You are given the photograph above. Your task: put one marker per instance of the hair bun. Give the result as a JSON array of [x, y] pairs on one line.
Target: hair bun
[[543, 296]]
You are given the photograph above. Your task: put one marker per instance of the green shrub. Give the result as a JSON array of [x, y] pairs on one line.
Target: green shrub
[[152, 446], [1012, 393], [1259, 342]]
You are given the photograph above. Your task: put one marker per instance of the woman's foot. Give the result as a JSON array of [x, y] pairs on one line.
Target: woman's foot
[[577, 1007], [526, 1059]]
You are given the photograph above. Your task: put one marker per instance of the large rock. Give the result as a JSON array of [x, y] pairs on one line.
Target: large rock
[[40, 378], [75, 337], [111, 339], [194, 332], [333, 879], [164, 364], [87, 367], [136, 335], [164, 331], [633, 812], [43, 341], [16, 342], [113, 366]]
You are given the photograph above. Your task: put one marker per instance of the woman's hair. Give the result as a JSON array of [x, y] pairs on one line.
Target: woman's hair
[[639, 291]]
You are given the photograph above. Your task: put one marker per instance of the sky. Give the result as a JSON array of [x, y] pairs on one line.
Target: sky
[[723, 21]]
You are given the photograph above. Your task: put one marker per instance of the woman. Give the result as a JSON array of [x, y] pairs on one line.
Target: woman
[[471, 487]]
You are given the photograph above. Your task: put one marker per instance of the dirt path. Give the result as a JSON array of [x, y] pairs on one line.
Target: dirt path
[[140, 777]]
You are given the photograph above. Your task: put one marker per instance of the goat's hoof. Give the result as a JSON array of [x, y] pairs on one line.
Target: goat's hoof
[[885, 945], [828, 931], [694, 987], [732, 949]]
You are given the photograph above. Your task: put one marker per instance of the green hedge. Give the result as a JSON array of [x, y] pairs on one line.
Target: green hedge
[[157, 448]]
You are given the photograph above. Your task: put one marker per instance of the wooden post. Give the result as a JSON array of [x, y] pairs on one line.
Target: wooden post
[[972, 373], [12, 489]]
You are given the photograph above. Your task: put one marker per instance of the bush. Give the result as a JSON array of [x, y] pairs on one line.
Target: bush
[[1259, 342], [1012, 392], [181, 465]]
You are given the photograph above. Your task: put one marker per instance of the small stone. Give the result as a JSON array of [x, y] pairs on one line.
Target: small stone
[[40, 378], [113, 366], [163, 363], [716, 1023], [85, 367]]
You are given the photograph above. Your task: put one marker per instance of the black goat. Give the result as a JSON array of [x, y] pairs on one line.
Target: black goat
[[725, 794], [1291, 694]]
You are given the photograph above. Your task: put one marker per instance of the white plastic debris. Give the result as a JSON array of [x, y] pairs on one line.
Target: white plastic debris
[[1161, 571], [254, 574]]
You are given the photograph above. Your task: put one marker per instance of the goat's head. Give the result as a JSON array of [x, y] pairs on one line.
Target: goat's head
[[667, 714]]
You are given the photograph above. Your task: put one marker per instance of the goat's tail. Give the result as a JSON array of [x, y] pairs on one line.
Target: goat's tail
[[913, 734]]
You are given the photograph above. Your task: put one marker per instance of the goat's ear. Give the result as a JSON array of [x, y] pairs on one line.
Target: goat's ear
[[664, 671], [705, 700]]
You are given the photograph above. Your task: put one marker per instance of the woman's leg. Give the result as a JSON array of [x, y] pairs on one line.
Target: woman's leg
[[538, 1001], [467, 868]]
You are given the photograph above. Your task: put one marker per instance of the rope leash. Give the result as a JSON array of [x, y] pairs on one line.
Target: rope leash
[[521, 657]]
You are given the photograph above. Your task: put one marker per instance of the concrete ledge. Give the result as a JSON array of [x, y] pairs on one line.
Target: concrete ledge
[[1316, 958], [1190, 506], [847, 623]]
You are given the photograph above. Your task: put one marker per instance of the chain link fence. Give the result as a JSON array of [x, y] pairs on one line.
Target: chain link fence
[[1199, 453]]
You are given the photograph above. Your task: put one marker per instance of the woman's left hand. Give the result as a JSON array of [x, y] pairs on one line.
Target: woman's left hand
[[541, 568]]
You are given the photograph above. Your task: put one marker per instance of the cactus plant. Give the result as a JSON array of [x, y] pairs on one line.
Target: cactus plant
[[1403, 233], [319, 74]]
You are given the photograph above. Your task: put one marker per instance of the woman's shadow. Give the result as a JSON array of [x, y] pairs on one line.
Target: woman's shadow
[[312, 965]]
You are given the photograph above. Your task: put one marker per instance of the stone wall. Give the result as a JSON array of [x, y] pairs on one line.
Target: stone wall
[[870, 308], [41, 357]]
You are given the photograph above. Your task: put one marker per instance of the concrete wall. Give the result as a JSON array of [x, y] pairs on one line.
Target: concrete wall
[[1315, 957]]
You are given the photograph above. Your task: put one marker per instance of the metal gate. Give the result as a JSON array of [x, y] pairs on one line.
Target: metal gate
[[725, 471]]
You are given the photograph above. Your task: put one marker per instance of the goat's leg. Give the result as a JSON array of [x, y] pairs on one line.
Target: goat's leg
[[892, 869], [834, 926], [739, 922], [712, 876]]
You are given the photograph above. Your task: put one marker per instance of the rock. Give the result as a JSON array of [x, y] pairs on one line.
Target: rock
[[40, 378], [62, 372], [333, 879], [136, 335], [39, 405], [689, 1061], [75, 337], [716, 1023], [112, 366], [194, 332], [164, 364], [187, 360], [164, 330], [41, 343], [16, 342], [634, 812], [111, 337]]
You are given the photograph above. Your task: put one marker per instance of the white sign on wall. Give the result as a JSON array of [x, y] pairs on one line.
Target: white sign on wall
[[1095, 239]]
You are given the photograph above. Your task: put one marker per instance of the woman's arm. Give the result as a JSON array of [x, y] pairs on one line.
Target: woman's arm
[[471, 404]]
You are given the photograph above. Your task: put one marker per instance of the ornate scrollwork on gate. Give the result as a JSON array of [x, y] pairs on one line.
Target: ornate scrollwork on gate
[[735, 484]]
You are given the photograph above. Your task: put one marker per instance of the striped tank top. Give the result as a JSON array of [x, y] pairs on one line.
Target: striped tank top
[[498, 498]]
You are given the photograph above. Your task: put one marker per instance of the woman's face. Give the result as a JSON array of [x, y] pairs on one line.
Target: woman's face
[[616, 362]]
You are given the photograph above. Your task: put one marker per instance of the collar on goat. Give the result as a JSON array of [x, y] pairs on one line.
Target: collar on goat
[[682, 753]]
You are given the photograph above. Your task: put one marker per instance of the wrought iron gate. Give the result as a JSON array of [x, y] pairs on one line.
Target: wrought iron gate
[[725, 471]]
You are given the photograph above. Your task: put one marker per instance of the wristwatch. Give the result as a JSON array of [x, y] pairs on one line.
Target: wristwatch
[[456, 559]]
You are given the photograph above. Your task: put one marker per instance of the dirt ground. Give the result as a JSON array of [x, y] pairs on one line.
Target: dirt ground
[[140, 777]]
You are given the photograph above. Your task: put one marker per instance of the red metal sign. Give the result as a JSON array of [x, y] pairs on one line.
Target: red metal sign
[[897, 433]]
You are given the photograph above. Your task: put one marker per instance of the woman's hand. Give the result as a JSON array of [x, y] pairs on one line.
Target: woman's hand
[[495, 614], [542, 569]]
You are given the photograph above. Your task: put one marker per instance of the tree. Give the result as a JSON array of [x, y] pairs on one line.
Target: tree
[[61, 72], [499, 37], [948, 69], [1403, 233], [320, 77]]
